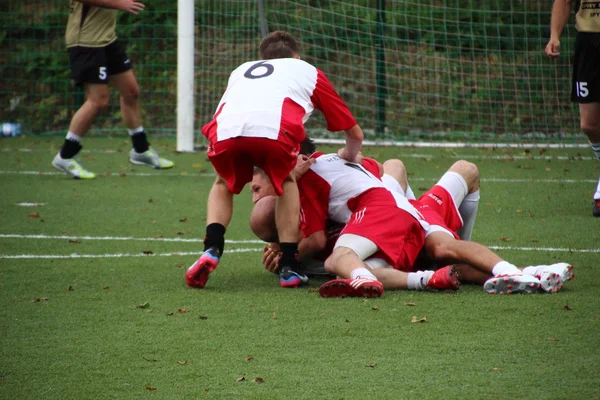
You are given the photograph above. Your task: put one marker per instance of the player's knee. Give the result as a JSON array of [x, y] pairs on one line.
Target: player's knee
[[131, 94], [440, 252], [592, 129], [469, 171], [99, 102], [393, 167]]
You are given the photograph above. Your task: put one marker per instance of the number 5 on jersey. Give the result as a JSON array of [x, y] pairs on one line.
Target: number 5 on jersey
[[102, 73]]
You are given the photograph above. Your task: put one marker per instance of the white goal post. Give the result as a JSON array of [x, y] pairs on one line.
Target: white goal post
[[185, 76]]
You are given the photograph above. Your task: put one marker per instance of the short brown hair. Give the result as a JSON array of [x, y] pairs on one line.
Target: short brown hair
[[278, 44]]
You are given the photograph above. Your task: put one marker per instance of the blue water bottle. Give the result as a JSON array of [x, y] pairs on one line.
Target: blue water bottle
[[10, 129]]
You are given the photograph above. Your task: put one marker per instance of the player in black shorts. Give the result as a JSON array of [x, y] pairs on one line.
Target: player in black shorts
[[585, 88], [98, 59]]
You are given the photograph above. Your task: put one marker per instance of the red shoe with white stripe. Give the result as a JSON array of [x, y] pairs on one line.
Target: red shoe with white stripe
[[359, 287]]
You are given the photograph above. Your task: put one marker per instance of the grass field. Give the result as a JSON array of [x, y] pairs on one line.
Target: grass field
[[93, 304]]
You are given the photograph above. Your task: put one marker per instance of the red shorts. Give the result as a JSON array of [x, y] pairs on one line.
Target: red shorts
[[397, 234], [234, 160], [438, 208]]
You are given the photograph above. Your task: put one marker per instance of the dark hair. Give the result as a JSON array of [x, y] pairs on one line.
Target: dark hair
[[278, 44], [307, 147]]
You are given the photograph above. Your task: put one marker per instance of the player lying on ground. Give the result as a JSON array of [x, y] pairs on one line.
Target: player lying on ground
[[260, 122], [441, 244]]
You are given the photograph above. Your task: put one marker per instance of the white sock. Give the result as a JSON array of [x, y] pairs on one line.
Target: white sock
[[505, 268], [362, 273], [73, 137], [596, 150], [409, 193], [468, 211], [136, 130], [418, 280]]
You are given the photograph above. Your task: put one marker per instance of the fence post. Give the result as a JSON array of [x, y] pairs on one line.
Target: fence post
[[380, 76]]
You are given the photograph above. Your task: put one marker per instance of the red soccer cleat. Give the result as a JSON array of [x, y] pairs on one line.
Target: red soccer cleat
[[359, 287], [444, 278], [197, 275]]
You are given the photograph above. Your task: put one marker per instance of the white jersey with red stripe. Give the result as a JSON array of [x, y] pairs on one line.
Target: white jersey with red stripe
[[273, 99], [329, 186]]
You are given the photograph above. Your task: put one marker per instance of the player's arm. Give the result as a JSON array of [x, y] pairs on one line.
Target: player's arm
[[338, 117], [561, 9], [130, 6]]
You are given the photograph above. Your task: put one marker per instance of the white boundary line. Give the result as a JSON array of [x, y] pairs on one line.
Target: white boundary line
[[506, 180], [118, 238], [455, 145], [118, 255], [241, 250]]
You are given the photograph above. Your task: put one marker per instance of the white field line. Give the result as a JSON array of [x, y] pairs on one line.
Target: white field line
[[119, 255], [505, 180], [120, 238], [453, 155], [240, 250]]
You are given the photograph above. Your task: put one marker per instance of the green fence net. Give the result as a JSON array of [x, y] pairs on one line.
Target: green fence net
[[458, 69]]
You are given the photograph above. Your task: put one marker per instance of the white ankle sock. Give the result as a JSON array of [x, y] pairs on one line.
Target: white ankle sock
[[596, 150], [418, 280], [136, 130], [362, 273], [73, 137], [505, 268]]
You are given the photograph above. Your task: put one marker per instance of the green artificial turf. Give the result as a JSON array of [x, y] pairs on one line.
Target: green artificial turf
[[124, 325]]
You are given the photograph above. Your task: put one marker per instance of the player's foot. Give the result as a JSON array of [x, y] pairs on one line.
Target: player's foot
[[359, 287], [596, 210], [445, 278], [553, 277], [70, 166], [197, 275], [512, 284], [288, 278], [149, 158]]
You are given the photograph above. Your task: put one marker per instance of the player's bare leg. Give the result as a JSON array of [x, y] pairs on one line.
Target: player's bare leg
[[219, 212], [589, 115], [355, 278], [142, 153], [97, 99], [395, 169], [467, 206], [287, 215]]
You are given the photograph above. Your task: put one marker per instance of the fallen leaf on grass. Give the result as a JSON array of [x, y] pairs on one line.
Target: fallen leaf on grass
[[106, 287], [423, 189], [147, 252], [347, 320], [70, 288], [240, 379], [158, 236], [312, 290], [143, 305], [505, 239], [372, 365], [183, 310], [180, 265], [169, 314], [410, 304], [40, 299], [566, 308], [258, 379], [183, 220], [551, 339], [414, 319], [150, 201], [248, 358], [203, 317], [150, 388], [149, 359], [497, 369], [274, 315], [375, 308], [123, 175], [182, 362], [34, 215], [74, 241]]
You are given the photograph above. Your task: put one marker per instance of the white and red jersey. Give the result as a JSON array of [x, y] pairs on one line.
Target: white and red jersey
[[273, 99], [331, 188]]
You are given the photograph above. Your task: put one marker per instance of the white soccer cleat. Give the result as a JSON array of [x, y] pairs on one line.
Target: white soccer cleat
[[149, 158], [70, 166], [553, 277], [512, 284]]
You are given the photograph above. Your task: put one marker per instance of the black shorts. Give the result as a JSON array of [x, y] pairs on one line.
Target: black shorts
[[95, 64], [585, 87]]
